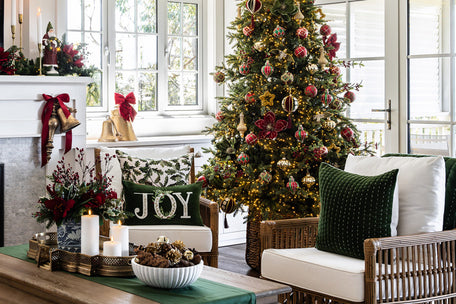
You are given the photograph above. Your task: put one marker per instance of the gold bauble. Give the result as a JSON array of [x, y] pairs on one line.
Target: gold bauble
[[283, 163], [329, 124], [308, 180]]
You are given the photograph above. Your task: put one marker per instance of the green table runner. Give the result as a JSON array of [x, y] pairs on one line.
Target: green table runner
[[202, 291]]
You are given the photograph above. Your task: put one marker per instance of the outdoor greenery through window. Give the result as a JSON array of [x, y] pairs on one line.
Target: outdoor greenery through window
[[151, 48]]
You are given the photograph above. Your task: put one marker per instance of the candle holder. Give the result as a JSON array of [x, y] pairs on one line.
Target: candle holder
[[40, 45], [21, 20], [13, 33]]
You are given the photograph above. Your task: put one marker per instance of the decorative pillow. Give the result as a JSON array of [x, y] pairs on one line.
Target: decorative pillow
[[421, 189], [176, 205], [155, 172], [353, 208]]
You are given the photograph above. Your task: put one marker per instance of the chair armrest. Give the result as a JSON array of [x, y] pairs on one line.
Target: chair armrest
[[210, 214], [395, 264], [289, 233]]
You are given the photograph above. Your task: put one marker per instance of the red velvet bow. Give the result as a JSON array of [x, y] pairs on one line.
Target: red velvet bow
[[126, 110], [47, 111], [332, 42]]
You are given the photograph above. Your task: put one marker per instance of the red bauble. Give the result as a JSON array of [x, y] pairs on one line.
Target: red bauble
[[219, 77], [249, 98], [325, 30], [202, 179], [219, 116], [267, 69], [300, 52], [301, 134], [253, 6], [302, 33], [244, 69], [243, 159], [247, 30], [347, 133], [320, 152], [326, 99], [350, 96], [251, 139], [292, 185], [311, 91]]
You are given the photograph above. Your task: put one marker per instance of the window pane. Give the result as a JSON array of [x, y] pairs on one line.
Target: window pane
[[147, 47], [74, 37], [74, 15], [429, 89], [92, 41], [190, 54], [125, 15], [336, 17], [174, 82], [174, 56], [190, 19], [430, 139], [147, 92], [371, 95], [92, 10], [147, 16], [125, 51], [94, 91], [125, 82], [174, 18], [190, 81], [367, 27], [429, 29], [373, 134]]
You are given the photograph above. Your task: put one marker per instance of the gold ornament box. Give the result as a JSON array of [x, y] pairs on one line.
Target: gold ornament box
[[49, 257]]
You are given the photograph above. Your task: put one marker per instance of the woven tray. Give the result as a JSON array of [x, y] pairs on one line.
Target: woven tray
[[43, 249]]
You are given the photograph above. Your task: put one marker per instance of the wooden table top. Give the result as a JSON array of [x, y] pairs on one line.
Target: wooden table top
[[23, 282]]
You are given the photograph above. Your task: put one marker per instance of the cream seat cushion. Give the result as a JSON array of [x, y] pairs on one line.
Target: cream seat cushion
[[198, 237]]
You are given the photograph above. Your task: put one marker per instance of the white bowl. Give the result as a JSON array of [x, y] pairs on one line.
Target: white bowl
[[167, 277]]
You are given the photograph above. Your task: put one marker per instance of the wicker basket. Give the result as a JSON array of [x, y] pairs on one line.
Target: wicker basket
[[253, 245]]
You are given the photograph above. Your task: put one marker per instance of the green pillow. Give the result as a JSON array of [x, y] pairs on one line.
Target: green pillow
[[353, 208], [175, 205]]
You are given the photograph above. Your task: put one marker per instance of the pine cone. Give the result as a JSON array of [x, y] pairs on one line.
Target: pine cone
[[153, 248], [174, 256], [179, 245]]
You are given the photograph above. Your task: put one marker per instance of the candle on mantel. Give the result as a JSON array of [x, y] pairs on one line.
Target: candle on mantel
[[112, 248], [39, 24], [90, 231], [13, 12], [120, 234], [21, 7]]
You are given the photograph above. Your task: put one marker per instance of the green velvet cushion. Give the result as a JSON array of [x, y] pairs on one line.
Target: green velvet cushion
[[175, 205], [353, 208], [449, 215]]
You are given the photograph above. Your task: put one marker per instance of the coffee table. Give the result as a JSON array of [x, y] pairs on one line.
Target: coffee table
[[22, 282]]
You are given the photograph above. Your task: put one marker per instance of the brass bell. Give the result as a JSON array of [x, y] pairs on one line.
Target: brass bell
[[124, 128], [107, 131], [67, 123]]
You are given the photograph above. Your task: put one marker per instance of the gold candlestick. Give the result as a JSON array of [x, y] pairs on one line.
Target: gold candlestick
[[40, 59], [21, 19], [13, 32]]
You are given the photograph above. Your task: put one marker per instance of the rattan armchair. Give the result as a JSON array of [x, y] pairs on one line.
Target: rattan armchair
[[424, 273]]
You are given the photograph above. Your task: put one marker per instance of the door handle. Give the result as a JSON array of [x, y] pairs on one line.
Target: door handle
[[388, 114]]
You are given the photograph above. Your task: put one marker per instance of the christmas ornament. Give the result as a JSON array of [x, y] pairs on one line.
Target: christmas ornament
[[336, 104], [334, 70], [219, 77], [322, 61], [267, 99], [162, 240], [267, 69], [249, 98], [244, 69], [326, 98], [247, 30], [312, 68], [219, 116], [301, 134], [243, 159], [292, 185], [319, 116], [251, 139], [259, 46], [283, 54], [325, 30], [279, 32], [283, 163], [302, 33], [265, 177], [332, 45], [289, 104], [347, 133], [241, 127], [299, 16], [349, 96], [269, 126], [311, 91], [287, 78], [300, 52], [329, 124], [203, 180], [320, 152], [253, 6], [334, 147], [228, 205], [308, 180]]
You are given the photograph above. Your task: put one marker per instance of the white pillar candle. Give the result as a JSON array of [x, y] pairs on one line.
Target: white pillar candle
[[13, 12], [112, 248], [119, 233], [21, 7], [39, 24], [90, 233]]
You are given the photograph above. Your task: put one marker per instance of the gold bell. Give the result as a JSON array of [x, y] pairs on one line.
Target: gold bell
[[67, 123], [107, 133], [123, 127]]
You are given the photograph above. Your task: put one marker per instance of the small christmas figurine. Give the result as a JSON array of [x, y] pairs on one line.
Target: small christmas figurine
[[51, 46]]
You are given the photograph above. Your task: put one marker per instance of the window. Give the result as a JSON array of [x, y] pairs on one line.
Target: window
[[150, 47]]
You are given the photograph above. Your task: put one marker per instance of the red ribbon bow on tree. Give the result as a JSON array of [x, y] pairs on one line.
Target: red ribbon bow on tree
[[335, 46], [126, 110], [47, 112]]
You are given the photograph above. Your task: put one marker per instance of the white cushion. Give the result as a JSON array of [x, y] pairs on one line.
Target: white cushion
[[319, 271], [198, 237], [421, 188], [155, 153]]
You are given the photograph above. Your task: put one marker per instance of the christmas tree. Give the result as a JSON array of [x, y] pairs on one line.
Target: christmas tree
[[284, 114]]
